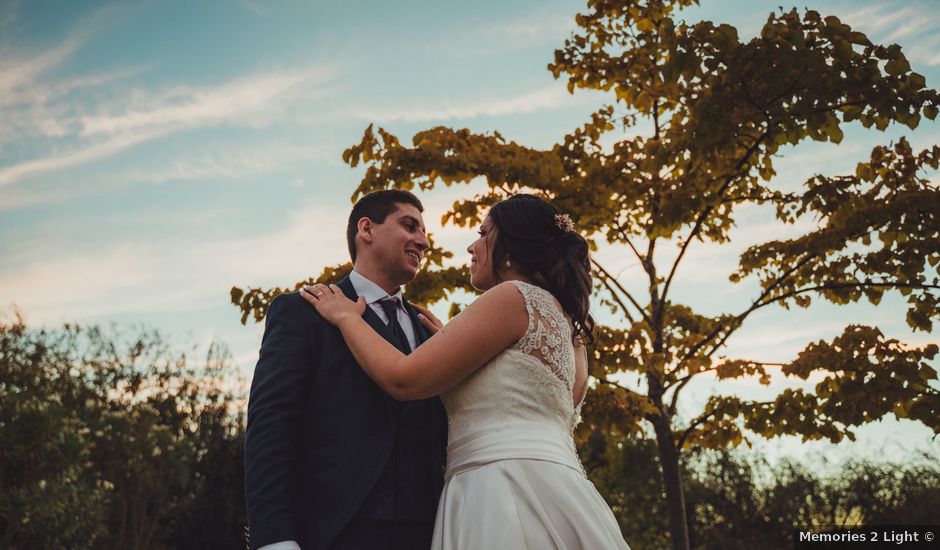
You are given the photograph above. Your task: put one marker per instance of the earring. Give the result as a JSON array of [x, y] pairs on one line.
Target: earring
[[508, 264]]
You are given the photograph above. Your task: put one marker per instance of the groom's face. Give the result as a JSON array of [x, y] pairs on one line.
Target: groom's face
[[399, 242]]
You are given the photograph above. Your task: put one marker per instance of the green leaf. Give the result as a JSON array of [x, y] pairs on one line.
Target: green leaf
[[897, 66]]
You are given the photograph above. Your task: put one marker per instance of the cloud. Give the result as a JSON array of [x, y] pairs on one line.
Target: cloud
[[29, 103], [8, 16], [251, 100], [215, 163], [20, 74], [926, 50], [502, 36], [254, 100], [257, 8], [84, 155], [551, 97], [45, 110], [62, 128], [52, 285], [878, 18], [16, 75], [911, 25], [235, 162]]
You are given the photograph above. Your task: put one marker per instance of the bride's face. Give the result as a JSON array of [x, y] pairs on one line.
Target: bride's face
[[482, 275]]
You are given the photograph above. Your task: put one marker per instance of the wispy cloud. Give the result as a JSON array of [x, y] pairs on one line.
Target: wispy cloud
[[251, 100], [878, 18], [80, 156], [26, 96], [257, 8], [59, 126], [215, 163], [911, 25], [146, 276], [232, 162], [254, 101], [8, 11], [21, 73], [17, 74], [552, 97], [502, 36]]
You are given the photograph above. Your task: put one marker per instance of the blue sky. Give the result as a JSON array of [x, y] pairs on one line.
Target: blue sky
[[153, 154]]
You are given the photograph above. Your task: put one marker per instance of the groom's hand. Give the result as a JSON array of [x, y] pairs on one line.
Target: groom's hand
[[430, 322]]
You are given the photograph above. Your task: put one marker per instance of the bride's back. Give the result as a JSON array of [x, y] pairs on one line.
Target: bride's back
[[530, 383]]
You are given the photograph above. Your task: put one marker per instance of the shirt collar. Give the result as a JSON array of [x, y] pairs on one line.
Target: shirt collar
[[369, 290]]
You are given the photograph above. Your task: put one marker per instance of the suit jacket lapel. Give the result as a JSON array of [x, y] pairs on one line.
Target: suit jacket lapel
[[435, 411], [421, 333], [370, 316], [374, 321]]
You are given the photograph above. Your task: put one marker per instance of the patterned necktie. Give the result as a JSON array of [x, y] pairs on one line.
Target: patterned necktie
[[390, 307]]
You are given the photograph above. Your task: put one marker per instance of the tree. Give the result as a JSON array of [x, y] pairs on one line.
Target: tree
[[115, 442], [741, 501], [720, 110]]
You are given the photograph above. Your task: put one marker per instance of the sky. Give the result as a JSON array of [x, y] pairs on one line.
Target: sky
[[154, 154]]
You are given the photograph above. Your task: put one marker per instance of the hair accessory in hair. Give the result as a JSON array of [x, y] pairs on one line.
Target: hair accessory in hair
[[563, 222]]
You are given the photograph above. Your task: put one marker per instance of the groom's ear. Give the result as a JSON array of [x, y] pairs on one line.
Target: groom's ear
[[364, 229]]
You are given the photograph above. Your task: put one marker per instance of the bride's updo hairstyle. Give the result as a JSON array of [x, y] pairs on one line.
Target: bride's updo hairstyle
[[543, 246]]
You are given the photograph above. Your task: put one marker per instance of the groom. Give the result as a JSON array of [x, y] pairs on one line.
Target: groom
[[331, 461]]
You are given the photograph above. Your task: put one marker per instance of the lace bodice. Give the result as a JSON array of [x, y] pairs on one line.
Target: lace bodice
[[530, 382]]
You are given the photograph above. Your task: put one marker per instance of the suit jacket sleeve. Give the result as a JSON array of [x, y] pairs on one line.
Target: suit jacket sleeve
[[275, 405]]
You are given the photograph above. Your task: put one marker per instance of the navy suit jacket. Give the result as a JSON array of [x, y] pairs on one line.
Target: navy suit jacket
[[319, 429]]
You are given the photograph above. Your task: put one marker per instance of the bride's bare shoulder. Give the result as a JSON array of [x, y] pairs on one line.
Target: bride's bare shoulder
[[503, 302], [505, 294]]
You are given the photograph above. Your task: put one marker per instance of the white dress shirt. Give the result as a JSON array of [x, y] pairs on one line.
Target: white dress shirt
[[373, 294]]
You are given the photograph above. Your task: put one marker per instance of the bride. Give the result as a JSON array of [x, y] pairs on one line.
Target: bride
[[511, 370]]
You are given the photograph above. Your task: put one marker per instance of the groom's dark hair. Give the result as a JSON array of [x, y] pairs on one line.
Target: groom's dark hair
[[376, 206]]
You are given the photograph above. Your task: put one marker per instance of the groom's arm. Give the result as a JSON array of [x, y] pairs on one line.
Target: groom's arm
[[275, 405]]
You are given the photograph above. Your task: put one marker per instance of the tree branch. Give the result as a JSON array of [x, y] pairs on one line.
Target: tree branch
[[698, 421], [629, 296], [737, 320], [700, 220], [633, 248], [623, 307], [675, 392], [612, 383], [813, 289], [685, 380], [866, 284]]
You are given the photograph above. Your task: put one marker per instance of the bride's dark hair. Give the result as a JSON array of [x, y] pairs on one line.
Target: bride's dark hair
[[544, 250]]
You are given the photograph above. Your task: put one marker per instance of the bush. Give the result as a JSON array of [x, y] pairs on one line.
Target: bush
[[115, 442], [738, 500]]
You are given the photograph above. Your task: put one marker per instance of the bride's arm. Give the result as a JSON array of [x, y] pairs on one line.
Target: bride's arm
[[489, 325]]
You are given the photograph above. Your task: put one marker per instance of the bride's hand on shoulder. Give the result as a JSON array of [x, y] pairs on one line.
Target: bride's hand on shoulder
[[332, 304], [428, 319]]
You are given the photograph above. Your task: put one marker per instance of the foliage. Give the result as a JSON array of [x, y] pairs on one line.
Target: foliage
[[703, 117], [110, 442], [742, 501]]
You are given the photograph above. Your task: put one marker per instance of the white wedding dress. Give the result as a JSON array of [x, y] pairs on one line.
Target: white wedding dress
[[513, 478]]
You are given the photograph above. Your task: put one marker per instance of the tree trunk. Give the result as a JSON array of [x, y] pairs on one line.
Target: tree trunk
[[672, 481]]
